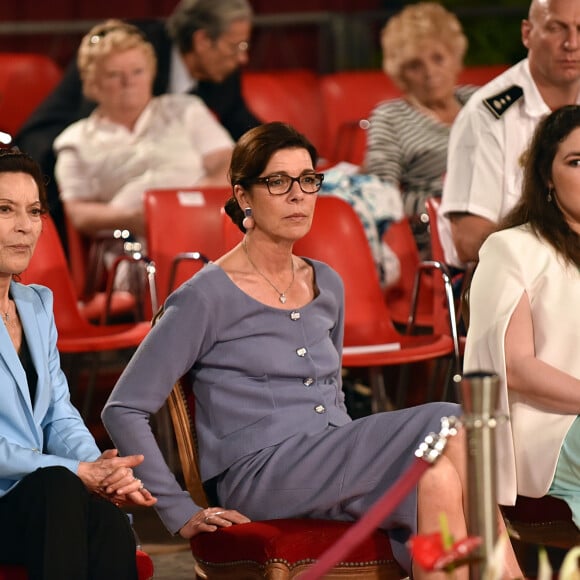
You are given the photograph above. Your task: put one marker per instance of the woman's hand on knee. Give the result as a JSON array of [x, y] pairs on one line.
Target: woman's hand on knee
[[210, 519]]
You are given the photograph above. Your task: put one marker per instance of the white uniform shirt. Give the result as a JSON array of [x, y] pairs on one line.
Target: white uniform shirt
[[98, 160], [512, 262], [484, 166]]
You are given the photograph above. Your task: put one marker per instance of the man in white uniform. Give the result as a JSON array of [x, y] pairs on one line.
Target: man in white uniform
[[492, 131]]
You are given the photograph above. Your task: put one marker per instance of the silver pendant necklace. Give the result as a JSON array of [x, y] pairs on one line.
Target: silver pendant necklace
[[281, 295]]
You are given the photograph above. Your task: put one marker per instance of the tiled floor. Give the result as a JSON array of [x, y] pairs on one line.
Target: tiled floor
[[173, 565]]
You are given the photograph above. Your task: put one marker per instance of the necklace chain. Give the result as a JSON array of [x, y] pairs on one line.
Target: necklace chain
[[281, 295], [6, 315]]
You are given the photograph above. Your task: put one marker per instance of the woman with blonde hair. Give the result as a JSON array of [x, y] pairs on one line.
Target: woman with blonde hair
[[132, 141], [423, 49]]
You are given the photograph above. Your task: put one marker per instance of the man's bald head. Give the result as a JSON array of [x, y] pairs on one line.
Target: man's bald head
[[537, 7], [552, 36]]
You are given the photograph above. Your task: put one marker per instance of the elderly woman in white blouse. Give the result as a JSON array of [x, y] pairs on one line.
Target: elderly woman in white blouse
[[133, 141]]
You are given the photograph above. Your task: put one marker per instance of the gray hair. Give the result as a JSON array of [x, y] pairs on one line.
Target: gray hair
[[213, 16]]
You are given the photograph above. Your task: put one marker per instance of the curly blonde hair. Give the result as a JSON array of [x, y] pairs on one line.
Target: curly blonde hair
[[105, 39], [406, 32]]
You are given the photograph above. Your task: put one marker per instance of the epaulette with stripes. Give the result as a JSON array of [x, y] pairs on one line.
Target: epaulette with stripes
[[500, 103]]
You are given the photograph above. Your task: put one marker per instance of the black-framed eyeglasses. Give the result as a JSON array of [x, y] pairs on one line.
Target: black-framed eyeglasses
[[280, 183]]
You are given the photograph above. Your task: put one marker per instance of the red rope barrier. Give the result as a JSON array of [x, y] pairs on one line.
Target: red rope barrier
[[364, 527]]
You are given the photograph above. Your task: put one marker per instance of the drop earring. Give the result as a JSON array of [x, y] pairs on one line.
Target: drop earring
[[549, 194], [248, 221]]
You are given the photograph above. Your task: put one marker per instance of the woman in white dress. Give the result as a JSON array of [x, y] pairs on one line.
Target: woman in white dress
[[525, 320]]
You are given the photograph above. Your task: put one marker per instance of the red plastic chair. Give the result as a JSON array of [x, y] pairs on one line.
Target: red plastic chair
[[291, 96], [348, 97], [480, 75], [88, 345], [432, 207], [276, 549], [25, 80], [337, 237], [178, 224], [231, 233], [399, 237], [89, 277], [145, 569]]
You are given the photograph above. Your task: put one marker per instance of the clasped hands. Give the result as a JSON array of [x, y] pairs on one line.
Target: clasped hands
[[111, 477]]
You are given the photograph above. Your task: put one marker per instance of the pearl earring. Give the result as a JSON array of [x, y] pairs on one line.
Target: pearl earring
[[248, 221], [549, 194]]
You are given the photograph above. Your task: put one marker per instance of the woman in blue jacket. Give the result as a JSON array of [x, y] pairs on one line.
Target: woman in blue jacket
[[59, 495]]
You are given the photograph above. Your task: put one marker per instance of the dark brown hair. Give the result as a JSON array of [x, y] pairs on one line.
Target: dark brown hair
[[15, 161], [545, 217], [253, 152]]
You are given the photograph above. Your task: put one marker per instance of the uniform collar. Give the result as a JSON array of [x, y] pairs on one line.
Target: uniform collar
[[534, 104]]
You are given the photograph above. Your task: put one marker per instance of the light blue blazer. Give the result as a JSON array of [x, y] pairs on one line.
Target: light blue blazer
[[52, 432]]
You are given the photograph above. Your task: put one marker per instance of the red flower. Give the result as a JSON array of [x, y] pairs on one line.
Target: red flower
[[428, 551]]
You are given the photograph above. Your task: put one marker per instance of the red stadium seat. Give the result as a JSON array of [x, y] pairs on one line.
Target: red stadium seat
[[25, 80], [348, 97], [291, 96]]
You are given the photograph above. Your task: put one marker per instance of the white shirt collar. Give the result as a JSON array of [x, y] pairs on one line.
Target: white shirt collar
[[180, 81], [534, 103]]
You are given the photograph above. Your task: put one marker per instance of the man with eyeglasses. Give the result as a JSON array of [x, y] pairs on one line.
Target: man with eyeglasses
[[200, 49]]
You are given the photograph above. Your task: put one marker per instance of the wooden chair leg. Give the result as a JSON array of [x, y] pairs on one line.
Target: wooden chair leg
[[380, 400]]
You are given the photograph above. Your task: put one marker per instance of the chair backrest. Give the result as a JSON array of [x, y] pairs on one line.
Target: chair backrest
[[337, 237], [290, 95], [25, 80], [78, 257], [232, 234], [178, 221], [432, 206], [347, 98], [182, 411], [399, 237], [49, 267]]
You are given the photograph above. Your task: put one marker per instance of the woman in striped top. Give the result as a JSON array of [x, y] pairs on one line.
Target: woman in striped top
[[423, 49]]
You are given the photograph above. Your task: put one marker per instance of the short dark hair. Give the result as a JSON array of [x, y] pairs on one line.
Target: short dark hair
[[535, 207], [213, 16], [253, 152], [15, 161]]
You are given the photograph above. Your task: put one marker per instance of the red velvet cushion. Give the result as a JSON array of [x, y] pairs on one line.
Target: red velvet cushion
[[537, 510], [144, 568], [290, 539]]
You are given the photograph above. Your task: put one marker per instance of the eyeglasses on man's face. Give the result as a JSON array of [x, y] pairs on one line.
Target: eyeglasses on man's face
[[233, 48], [280, 183]]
